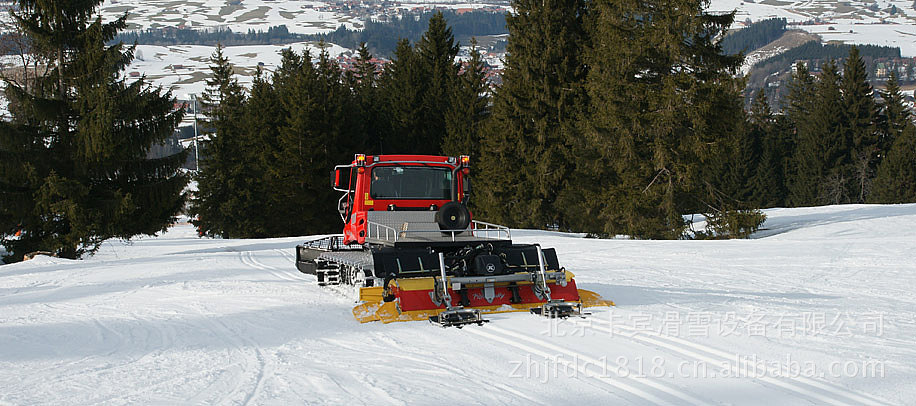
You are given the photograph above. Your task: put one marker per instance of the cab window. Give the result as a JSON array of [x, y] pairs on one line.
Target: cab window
[[411, 182]]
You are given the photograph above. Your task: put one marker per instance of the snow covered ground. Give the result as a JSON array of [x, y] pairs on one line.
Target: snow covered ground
[[848, 22], [819, 308], [883, 22], [306, 17], [184, 69], [299, 16]]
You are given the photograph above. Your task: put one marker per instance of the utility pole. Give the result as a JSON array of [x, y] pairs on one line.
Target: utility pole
[[196, 153]]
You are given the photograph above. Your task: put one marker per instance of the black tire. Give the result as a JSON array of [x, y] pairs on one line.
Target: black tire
[[453, 216]]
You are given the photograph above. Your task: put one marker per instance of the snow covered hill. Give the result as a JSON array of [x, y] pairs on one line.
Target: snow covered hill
[[819, 308], [883, 22], [879, 22], [185, 69]]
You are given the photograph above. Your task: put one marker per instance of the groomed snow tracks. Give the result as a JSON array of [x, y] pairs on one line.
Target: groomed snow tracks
[[641, 389], [628, 387], [659, 391], [247, 258], [814, 389]]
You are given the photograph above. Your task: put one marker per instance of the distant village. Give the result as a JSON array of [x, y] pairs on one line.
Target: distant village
[[879, 69], [385, 11]]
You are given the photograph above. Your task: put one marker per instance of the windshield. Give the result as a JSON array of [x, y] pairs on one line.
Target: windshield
[[411, 182]]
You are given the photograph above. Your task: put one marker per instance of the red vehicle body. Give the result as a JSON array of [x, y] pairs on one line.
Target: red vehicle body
[[362, 181]]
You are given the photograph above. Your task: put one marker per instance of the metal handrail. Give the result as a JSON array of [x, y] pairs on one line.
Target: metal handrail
[[332, 243], [321, 244], [481, 229], [488, 228], [389, 231]]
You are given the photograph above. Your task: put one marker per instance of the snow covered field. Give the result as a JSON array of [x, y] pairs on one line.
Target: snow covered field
[[883, 22], [299, 16], [820, 308], [306, 17], [848, 22], [184, 69]]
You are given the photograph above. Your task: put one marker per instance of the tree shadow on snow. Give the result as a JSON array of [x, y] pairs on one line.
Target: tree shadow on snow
[[628, 296], [283, 245], [794, 219]]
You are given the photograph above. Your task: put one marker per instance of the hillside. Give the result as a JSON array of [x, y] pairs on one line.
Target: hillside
[[886, 22], [817, 308], [305, 17], [185, 68], [787, 41], [883, 22], [848, 22]]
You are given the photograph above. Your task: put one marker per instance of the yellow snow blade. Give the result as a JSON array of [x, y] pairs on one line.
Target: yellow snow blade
[[374, 309], [373, 294], [592, 299], [371, 299], [366, 312]]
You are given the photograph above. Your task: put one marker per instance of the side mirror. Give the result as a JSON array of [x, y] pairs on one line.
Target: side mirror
[[466, 188], [340, 179]]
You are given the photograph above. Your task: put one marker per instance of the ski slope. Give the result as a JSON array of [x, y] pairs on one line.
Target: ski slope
[[819, 308]]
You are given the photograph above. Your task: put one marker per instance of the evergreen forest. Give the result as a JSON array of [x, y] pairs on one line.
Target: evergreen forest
[[223, 36], [380, 37], [754, 36], [612, 137], [613, 118], [74, 164], [813, 50]]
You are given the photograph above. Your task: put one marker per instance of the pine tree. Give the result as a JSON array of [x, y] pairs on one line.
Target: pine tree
[[317, 131], [800, 102], [216, 205], [468, 110], [798, 107], [343, 127], [260, 124], [767, 183], [860, 114], [401, 88], [526, 164], [364, 80], [664, 106], [74, 166], [436, 52], [822, 155], [296, 82], [896, 178], [740, 169], [365, 70], [750, 162], [417, 88], [894, 115]]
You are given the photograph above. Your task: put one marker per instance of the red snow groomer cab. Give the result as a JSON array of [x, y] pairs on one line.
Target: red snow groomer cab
[[410, 245]]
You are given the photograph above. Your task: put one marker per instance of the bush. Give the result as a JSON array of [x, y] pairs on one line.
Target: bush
[[730, 224]]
